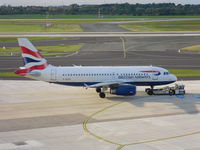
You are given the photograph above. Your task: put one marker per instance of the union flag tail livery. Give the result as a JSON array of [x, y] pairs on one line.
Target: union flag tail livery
[[120, 80], [32, 58]]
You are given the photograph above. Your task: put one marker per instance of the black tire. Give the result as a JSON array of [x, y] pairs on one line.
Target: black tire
[[174, 92], [150, 92], [102, 95], [147, 90], [98, 90], [171, 92]]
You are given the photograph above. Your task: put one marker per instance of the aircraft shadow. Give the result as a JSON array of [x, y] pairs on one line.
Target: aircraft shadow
[[188, 103]]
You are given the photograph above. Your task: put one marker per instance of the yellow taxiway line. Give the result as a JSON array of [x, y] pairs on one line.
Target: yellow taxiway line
[[121, 146]]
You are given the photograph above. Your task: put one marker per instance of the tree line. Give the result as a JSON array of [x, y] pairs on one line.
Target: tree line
[[153, 9]]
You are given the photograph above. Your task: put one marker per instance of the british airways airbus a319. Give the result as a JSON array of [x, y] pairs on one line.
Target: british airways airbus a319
[[120, 80]]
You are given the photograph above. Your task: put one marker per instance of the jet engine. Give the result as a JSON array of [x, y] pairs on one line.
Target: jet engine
[[124, 90]]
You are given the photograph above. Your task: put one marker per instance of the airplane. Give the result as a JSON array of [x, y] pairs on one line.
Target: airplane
[[119, 80]]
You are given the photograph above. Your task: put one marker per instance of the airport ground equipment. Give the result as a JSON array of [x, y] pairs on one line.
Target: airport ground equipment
[[178, 89]]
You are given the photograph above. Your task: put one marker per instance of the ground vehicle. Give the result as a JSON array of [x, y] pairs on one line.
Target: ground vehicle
[[178, 89]]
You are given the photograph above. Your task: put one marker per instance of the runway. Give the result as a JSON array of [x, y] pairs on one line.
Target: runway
[[43, 116], [106, 51], [69, 41], [113, 58], [101, 34]]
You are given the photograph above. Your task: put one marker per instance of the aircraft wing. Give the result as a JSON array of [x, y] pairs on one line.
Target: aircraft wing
[[105, 84]]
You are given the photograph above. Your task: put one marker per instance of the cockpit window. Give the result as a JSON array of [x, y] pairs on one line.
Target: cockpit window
[[166, 73]]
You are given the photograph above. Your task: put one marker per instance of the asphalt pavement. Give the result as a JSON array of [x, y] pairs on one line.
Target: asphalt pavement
[[102, 46], [156, 51], [102, 27]]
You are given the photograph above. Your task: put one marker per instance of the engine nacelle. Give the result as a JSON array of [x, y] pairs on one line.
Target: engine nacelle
[[125, 90]]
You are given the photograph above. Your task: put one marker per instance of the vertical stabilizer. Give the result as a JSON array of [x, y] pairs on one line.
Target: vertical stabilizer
[[32, 58]]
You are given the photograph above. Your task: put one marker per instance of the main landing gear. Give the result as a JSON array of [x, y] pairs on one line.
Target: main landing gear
[[149, 91], [102, 95], [98, 90], [101, 92]]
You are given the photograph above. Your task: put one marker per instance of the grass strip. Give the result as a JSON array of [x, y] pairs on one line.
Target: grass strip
[[16, 26], [185, 72], [57, 21], [192, 25], [8, 74], [194, 48]]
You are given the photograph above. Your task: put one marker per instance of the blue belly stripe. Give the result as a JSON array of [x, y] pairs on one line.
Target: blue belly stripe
[[133, 83]]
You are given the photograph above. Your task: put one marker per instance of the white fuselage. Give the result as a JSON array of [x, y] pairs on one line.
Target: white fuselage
[[79, 75]]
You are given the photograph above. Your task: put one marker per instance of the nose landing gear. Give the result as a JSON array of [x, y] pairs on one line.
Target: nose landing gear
[[149, 91]]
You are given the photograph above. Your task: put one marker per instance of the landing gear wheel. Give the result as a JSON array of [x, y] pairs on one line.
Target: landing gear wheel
[[171, 92], [102, 95], [98, 90], [150, 92], [147, 90]]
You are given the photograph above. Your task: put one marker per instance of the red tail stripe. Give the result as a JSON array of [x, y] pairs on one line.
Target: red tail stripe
[[28, 51], [23, 72]]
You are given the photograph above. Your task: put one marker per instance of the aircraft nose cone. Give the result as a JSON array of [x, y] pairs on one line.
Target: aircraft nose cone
[[174, 78]]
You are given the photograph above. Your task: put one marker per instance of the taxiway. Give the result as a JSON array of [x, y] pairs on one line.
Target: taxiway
[[43, 116]]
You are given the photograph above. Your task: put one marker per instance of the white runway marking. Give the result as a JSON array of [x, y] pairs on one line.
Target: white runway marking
[[103, 34]]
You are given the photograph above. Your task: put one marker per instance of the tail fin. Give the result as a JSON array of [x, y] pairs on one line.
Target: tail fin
[[32, 58]]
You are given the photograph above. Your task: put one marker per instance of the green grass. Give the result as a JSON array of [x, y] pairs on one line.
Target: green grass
[[8, 74], [194, 48], [69, 25], [185, 72], [45, 50], [163, 26], [29, 26], [62, 16], [39, 25], [57, 21]]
